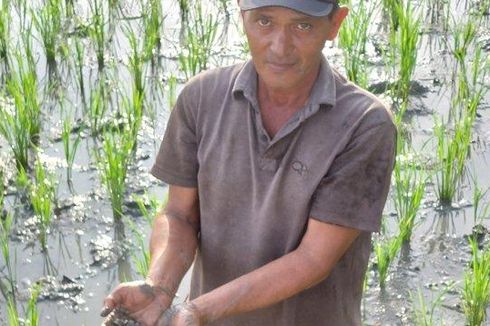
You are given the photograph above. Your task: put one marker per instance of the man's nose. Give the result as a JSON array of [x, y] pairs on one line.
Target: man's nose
[[281, 43]]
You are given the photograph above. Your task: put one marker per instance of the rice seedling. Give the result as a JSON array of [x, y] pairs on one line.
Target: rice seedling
[[48, 23], [386, 249], [79, 64], [97, 31], [32, 313], [184, 6], [408, 190], [353, 38], [140, 256], [4, 30], [98, 105], [15, 124], [136, 61], [114, 159], [8, 291], [453, 144], [70, 148], [479, 213], [22, 86], [152, 22], [452, 151], [171, 88], [200, 35], [424, 313], [464, 35], [132, 115], [390, 13], [476, 289], [42, 194], [69, 8], [152, 203], [404, 44]]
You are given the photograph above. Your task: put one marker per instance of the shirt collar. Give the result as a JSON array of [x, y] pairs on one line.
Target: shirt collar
[[323, 91]]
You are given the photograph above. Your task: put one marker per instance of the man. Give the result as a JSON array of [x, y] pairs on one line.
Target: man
[[278, 171]]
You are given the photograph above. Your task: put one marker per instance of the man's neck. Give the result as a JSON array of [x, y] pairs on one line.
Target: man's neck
[[296, 96]]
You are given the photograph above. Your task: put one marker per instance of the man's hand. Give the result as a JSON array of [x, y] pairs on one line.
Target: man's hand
[[139, 300], [184, 314]]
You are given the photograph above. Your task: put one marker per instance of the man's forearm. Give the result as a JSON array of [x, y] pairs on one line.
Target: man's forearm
[[173, 245]]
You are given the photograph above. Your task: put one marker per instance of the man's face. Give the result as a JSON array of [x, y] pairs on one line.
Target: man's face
[[286, 45]]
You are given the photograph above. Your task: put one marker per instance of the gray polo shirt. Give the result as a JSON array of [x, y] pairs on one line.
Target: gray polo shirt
[[332, 161]]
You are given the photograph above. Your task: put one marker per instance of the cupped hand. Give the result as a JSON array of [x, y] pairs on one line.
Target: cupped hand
[[138, 300]]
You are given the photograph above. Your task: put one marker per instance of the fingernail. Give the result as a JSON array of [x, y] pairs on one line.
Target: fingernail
[[105, 311]]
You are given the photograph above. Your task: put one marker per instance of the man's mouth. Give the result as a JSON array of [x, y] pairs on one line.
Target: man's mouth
[[279, 66]]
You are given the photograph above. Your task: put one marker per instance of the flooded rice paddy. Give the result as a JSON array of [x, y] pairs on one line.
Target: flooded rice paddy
[[85, 72]]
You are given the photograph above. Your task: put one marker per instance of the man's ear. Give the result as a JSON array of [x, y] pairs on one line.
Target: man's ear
[[336, 21]]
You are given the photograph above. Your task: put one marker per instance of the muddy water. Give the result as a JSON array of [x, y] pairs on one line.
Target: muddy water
[[88, 254]]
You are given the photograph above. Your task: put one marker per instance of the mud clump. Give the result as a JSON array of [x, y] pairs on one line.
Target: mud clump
[[119, 318]]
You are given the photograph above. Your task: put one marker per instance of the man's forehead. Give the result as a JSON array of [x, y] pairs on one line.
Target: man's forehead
[[274, 11]]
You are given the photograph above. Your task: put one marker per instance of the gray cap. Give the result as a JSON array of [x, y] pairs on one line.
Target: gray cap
[[309, 7]]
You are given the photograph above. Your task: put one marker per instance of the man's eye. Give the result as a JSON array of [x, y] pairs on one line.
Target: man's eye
[[304, 26], [264, 22]]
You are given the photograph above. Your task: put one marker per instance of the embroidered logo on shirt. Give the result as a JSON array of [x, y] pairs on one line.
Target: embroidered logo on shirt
[[299, 167]]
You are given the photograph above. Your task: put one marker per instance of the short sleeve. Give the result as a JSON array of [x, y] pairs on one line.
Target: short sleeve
[[176, 162], [354, 190]]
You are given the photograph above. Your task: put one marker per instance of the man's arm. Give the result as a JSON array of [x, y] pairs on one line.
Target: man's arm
[[320, 249], [172, 246], [173, 240]]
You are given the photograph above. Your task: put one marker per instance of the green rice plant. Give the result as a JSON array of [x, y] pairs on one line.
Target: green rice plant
[[20, 119], [353, 38], [22, 87], [452, 152], [114, 159], [32, 313], [184, 6], [12, 313], [476, 290], [136, 61], [464, 36], [69, 8], [423, 313], [408, 190], [152, 22], [42, 194], [390, 13], [70, 148], [140, 256], [97, 31], [133, 116], [5, 227], [4, 30], [98, 105], [144, 202], [404, 44], [200, 35], [386, 250], [478, 196], [48, 22], [79, 64], [171, 88]]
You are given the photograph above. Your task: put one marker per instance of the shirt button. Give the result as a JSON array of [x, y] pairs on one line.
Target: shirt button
[[263, 137]]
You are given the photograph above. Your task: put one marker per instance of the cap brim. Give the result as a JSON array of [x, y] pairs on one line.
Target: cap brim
[[311, 7]]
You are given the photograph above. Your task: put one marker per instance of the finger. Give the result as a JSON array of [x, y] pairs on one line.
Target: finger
[[109, 305]]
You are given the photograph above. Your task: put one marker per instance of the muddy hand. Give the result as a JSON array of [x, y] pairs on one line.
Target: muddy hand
[[138, 300]]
